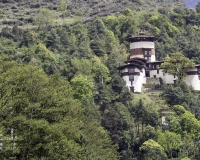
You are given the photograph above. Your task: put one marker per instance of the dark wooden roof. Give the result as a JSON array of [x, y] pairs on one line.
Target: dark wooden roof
[[155, 62], [130, 65], [136, 59], [141, 37]]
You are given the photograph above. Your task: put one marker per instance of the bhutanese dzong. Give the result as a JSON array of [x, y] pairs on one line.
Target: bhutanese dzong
[[141, 66]]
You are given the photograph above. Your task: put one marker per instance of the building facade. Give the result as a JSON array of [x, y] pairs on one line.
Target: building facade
[[141, 66]]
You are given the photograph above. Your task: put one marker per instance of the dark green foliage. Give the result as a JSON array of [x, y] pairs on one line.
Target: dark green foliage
[[178, 94], [118, 121], [198, 7], [182, 94], [46, 121]]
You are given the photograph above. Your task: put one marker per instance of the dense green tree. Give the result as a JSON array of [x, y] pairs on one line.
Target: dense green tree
[[151, 150], [198, 7], [29, 38], [94, 49], [177, 65], [119, 122], [42, 120], [63, 7], [144, 115], [170, 141], [179, 94], [44, 19], [83, 87]]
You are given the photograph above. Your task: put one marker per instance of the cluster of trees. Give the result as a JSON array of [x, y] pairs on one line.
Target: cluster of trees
[[41, 119], [62, 97]]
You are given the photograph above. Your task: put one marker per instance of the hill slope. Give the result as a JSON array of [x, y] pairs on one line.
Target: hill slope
[[23, 13]]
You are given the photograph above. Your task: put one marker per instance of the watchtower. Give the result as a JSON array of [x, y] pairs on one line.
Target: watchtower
[[142, 46]]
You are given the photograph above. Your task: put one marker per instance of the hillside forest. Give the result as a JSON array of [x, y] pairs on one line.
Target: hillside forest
[[62, 97]]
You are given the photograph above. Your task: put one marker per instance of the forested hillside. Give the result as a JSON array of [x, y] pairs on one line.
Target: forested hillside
[[62, 96], [23, 13]]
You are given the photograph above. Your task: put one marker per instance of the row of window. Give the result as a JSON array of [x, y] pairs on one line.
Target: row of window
[[153, 66], [147, 53]]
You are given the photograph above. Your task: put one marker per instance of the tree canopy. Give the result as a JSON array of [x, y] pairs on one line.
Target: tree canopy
[[40, 119], [177, 64]]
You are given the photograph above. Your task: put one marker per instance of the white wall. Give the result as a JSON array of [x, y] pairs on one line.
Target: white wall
[[138, 80], [137, 83], [144, 76], [153, 58], [142, 44], [137, 56], [193, 80], [167, 78]]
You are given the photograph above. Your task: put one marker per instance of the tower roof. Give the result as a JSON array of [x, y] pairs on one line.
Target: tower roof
[[136, 62], [141, 37]]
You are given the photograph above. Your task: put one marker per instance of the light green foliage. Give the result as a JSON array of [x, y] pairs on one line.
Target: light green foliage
[[170, 141], [111, 22], [128, 12], [151, 150], [186, 158], [162, 20], [184, 123], [44, 19], [63, 7], [100, 71], [189, 123], [177, 64], [43, 53], [156, 31], [93, 68], [83, 87]]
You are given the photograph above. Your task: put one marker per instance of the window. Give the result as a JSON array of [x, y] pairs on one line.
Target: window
[[131, 77], [157, 71], [132, 89], [174, 81], [147, 74], [131, 70], [147, 54]]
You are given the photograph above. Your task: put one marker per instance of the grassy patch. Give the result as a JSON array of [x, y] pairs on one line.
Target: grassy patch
[[151, 98], [67, 20]]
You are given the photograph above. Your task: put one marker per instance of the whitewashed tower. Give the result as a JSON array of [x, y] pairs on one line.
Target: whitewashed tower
[[142, 50]]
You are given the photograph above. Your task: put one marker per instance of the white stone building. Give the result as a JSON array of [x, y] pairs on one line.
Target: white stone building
[[141, 66]]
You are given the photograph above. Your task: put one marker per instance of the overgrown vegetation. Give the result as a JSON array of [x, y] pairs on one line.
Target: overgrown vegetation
[[62, 96]]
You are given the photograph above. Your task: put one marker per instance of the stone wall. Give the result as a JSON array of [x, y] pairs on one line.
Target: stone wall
[[153, 81]]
